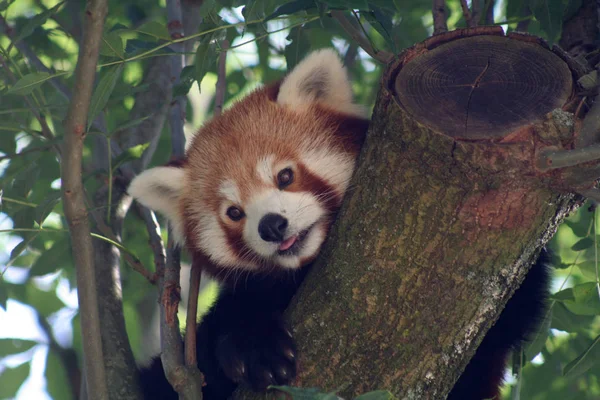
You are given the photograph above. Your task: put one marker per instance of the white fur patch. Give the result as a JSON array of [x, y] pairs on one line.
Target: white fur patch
[[334, 167], [230, 191], [319, 78], [264, 169], [302, 210], [214, 244], [160, 189]]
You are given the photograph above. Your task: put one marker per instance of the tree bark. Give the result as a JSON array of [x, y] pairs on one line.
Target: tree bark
[[449, 208]]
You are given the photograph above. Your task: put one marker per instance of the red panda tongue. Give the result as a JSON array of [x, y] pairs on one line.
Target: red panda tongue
[[287, 243]]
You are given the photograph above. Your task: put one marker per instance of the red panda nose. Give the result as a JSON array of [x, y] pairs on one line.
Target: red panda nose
[[271, 227]]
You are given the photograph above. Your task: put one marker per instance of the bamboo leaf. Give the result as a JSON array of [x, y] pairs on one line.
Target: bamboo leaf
[[586, 360], [28, 83], [102, 93], [35, 22]]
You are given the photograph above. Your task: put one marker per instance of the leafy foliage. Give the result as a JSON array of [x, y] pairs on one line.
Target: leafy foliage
[[265, 37]]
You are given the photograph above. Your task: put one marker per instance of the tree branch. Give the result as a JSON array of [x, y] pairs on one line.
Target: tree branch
[[185, 379], [467, 14], [380, 55], [475, 12], [439, 17], [489, 12], [221, 79], [73, 198]]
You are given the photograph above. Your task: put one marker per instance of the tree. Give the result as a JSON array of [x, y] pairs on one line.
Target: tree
[[122, 139]]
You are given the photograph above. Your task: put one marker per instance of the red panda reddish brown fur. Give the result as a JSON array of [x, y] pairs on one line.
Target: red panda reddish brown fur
[[281, 159]]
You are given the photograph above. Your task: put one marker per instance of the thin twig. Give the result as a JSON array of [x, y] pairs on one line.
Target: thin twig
[[73, 198], [192, 312], [382, 56], [439, 17], [568, 158], [489, 11], [221, 79], [475, 12], [466, 13], [186, 380]]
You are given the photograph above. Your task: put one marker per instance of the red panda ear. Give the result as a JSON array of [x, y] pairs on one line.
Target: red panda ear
[[319, 78], [160, 189]]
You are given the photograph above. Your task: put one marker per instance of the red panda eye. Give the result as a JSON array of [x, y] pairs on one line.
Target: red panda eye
[[285, 177], [235, 214]]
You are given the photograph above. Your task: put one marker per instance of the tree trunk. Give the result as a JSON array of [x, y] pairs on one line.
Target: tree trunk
[[449, 208]]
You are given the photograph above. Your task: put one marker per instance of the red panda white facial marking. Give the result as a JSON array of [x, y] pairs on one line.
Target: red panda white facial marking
[[261, 183]]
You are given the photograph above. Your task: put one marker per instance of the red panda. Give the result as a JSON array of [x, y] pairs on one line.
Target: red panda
[[255, 196]]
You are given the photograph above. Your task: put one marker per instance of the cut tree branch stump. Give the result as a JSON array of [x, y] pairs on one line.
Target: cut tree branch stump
[[447, 213]]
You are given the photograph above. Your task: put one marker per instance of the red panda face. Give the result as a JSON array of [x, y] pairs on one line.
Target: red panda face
[[261, 183]]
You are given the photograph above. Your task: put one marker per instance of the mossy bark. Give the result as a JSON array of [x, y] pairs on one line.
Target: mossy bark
[[434, 237]]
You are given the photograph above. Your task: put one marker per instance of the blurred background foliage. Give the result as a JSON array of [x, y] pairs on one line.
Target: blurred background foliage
[[40, 344]]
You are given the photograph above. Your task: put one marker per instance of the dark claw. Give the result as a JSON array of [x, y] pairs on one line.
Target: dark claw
[[262, 355]]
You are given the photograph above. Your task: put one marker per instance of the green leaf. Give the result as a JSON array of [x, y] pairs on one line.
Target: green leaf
[[154, 29], [581, 299], [589, 269], [376, 395], [103, 91], [58, 256], [291, 7], [36, 21], [186, 79], [112, 45], [57, 380], [583, 244], [132, 153], [305, 393], [129, 124], [382, 23], [347, 4], [12, 379], [565, 320], [14, 346], [204, 60], [44, 302], [298, 47], [538, 341], [21, 247], [28, 83], [550, 15], [45, 208], [3, 294], [586, 360]]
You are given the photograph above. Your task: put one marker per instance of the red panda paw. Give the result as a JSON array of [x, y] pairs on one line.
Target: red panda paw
[[262, 355]]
